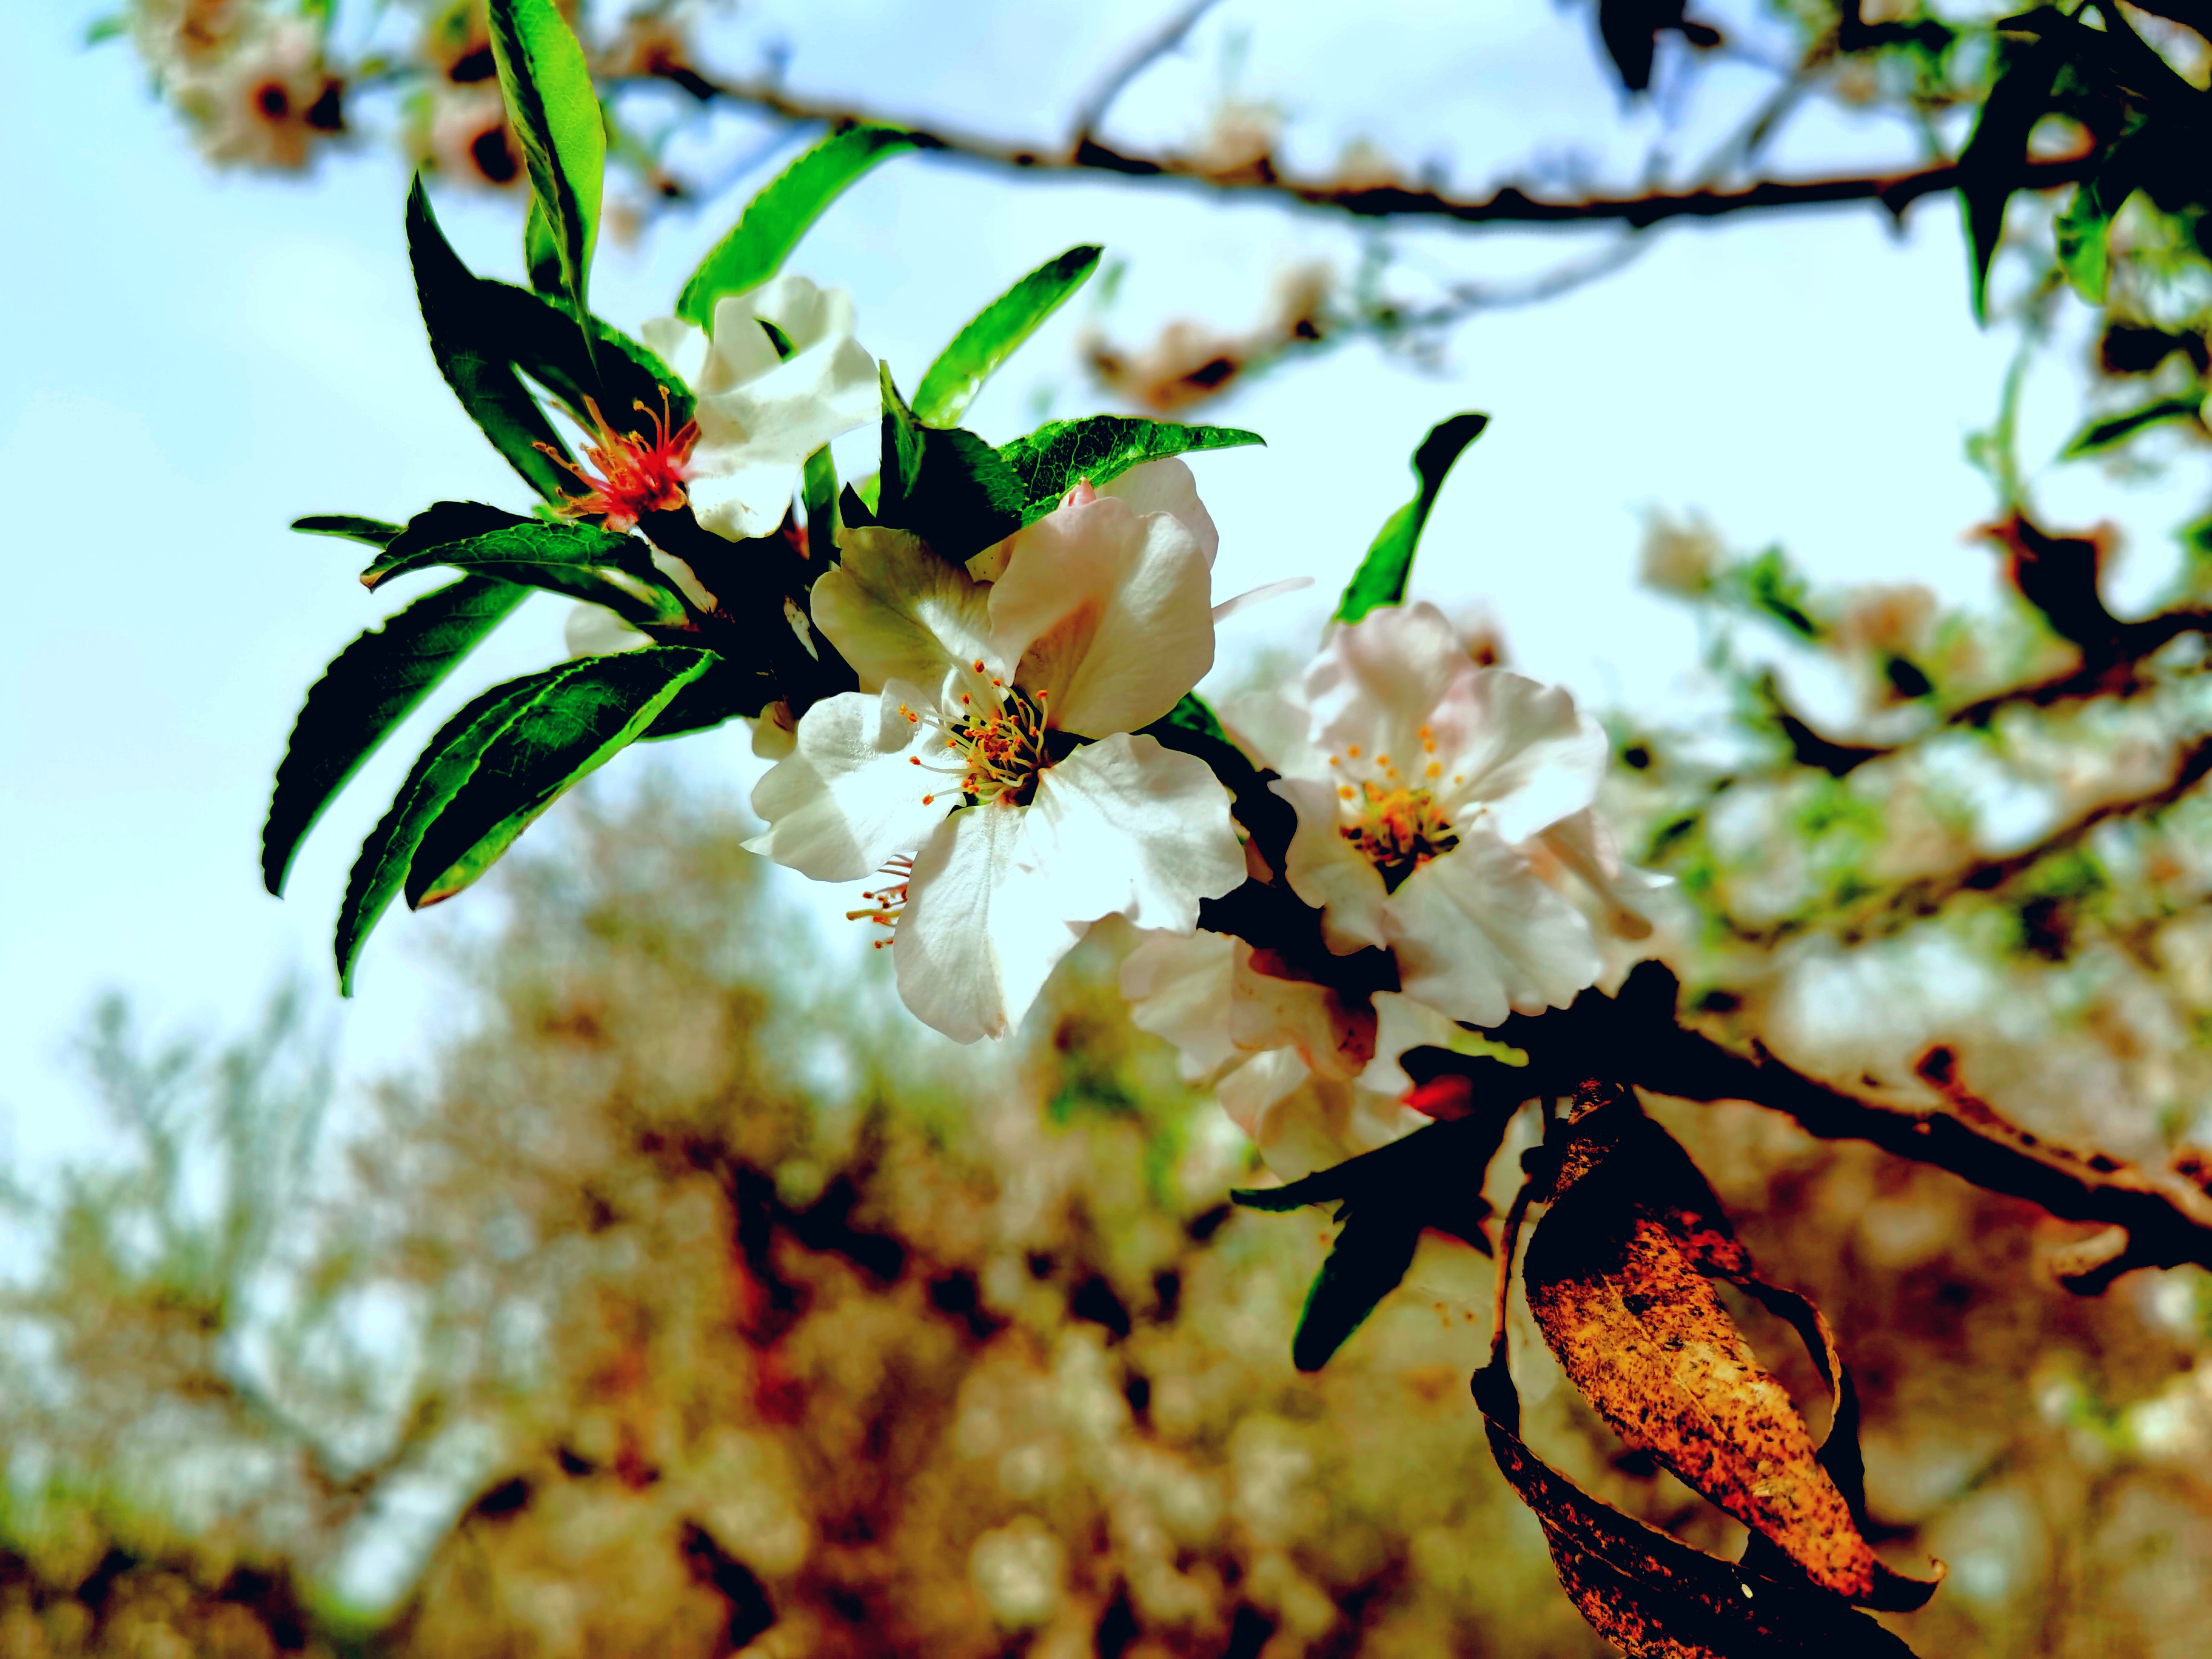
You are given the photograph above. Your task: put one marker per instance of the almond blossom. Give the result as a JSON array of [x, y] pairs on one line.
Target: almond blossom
[[776, 376], [989, 764], [1422, 785]]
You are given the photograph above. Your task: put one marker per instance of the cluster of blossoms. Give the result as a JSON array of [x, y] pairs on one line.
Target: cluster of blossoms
[[250, 78], [991, 774]]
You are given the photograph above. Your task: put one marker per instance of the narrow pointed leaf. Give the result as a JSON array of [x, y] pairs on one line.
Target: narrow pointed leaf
[[978, 349], [558, 738], [543, 335], [764, 237], [2100, 435], [1053, 459], [473, 356], [578, 560], [371, 685], [1989, 166], [723, 691], [1381, 578], [945, 485], [353, 528], [554, 110]]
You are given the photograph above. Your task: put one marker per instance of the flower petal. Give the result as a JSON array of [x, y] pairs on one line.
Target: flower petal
[[804, 314], [1523, 752], [1178, 988], [1402, 1022], [1276, 728], [1128, 825], [682, 346], [1108, 612], [896, 612], [592, 630], [1166, 486], [1378, 681], [1266, 1011], [1476, 934], [1328, 873], [1584, 843], [846, 798], [978, 938]]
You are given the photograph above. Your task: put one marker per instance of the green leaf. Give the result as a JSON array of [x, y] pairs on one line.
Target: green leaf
[[1381, 578], [543, 335], [1059, 454], [374, 532], [945, 485], [541, 253], [554, 113], [2083, 231], [2100, 435], [578, 560], [371, 686], [719, 696], [818, 496], [978, 349], [553, 741], [1431, 1178], [1989, 166], [115, 24], [770, 228], [473, 354]]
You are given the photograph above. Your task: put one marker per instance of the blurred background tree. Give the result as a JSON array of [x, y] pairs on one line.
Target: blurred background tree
[[686, 1309]]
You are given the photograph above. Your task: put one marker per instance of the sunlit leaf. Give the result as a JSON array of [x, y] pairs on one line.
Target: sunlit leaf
[[578, 560], [554, 110], [375, 533], [978, 349], [1060, 454], [371, 686], [771, 226], [1381, 576]]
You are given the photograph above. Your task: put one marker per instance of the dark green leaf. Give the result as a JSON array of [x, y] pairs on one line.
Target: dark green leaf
[[1053, 459], [554, 110], [474, 357], [818, 494], [1989, 166], [540, 335], [374, 532], [945, 485], [2083, 231], [1381, 578], [725, 691], [373, 685], [763, 238], [578, 560], [978, 349], [569, 731], [2100, 435]]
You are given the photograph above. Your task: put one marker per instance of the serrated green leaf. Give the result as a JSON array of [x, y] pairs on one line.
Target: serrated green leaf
[[1059, 454], [474, 355], [945, 485], [2100, 435], [552, 742], [369, 688], [978, 349], [554, 110], [774, 222], [1381, 578], [578, 560], [376, 532]]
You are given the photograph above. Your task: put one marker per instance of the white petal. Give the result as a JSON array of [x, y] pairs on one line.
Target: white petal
[[807, 314], [1247, 1093], [1523, 752], [757, 432], [896, 612], [978, 938], [679, 571], [741, 348], [1476, 934], [1320, 1123], [746, 499], [1584, 844], [1127, 825], [592, 630], [847, 797], [1109, 612], [1260, 595], [1376, 682], [1328, 873], [1276, 728], [1178, 988], [682, 346], [1266, 1012], [1166, 486], [1401, 1022]]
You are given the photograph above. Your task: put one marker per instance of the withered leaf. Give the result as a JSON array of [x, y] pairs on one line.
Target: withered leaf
[[1650, 1594], [1619, 1275]]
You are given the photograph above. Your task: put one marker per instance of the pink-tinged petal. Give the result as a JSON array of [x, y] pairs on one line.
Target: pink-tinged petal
[[1126, 825], [1276, 729], [896, 612], [1110, 613], [1378, 681], [1522, 751], [1266, 1012], [1328, 873], [979, 936], [1314, 1124], [1177, 985], [1251, 1090], [847, 797], [1401, 1022], [1166, 486], [1477, 935], [1584, 846]]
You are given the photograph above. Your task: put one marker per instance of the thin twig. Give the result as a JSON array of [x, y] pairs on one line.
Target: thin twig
[[1091, 111]]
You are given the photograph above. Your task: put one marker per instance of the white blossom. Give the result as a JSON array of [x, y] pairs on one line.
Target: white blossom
[[760, 413], [959, 767]]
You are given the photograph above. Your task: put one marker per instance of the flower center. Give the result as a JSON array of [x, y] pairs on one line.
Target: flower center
[[1397, 830], [1001, 752], [637, 474]]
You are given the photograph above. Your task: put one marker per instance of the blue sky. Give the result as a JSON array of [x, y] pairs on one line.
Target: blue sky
[[193, 360]]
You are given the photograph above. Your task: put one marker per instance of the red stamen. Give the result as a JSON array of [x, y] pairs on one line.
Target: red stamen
[[636, 474]]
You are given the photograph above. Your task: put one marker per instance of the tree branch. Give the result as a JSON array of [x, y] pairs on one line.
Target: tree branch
[[1509, 206]]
